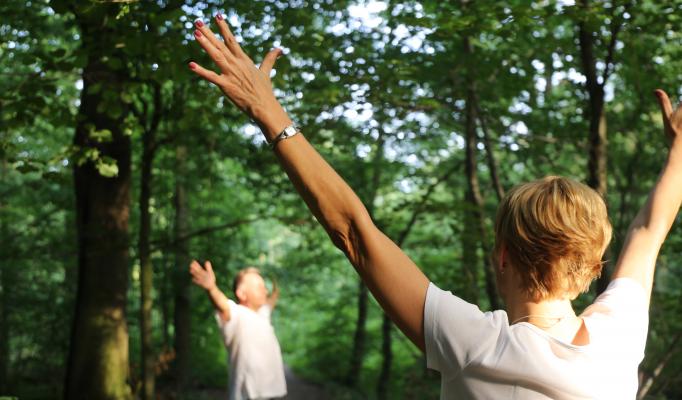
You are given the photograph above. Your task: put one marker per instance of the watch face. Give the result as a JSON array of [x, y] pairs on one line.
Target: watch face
[[289, 131]]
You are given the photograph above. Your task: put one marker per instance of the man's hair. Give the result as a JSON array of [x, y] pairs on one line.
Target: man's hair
[[240, 275], [555, 231]]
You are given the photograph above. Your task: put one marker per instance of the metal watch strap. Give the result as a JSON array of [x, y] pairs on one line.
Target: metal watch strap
[[286, 133]]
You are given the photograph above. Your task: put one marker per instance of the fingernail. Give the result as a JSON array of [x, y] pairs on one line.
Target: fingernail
[[199, 23], [219, 17], [197, 33], [192, 65]]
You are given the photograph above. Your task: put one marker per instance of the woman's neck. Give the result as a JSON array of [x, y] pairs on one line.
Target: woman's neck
[[556, 317], [544, 313]]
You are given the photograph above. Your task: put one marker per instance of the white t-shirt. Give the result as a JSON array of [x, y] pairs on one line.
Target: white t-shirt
[[480, 356], [256, 367]]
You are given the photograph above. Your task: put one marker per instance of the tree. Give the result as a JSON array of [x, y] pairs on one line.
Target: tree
[[98, 359]]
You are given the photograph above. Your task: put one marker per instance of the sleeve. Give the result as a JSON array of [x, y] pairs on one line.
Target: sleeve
[[227, 328], [624, 307], [456, 332]]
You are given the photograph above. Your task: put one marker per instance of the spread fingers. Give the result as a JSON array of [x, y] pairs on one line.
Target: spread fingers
[[220, 58], [229, 39], [206, 74]]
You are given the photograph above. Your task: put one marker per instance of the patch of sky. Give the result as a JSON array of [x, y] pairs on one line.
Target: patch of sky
[[519, 127], [455, 140], [363, 150]]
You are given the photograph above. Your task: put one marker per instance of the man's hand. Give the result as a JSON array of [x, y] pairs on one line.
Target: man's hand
[[247, 86], [202, 277], [274, 295], [672, 120], [205, 279]]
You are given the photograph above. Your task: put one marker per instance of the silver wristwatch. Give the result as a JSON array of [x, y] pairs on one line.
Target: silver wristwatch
[[288, 132]]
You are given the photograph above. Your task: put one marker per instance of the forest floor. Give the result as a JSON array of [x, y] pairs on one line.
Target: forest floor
[[297, 388]]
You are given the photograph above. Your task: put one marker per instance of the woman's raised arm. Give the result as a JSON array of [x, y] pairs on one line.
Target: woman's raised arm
[[395, 281], [651, 226]]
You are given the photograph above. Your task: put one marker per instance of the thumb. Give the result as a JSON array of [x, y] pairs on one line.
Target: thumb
[[269, 60], [208, 266]]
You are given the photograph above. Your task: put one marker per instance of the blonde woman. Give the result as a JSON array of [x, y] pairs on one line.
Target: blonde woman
[[551, 235]]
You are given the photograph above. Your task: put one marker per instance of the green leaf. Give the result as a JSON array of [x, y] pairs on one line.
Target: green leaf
[[101, 136], [107, 167]]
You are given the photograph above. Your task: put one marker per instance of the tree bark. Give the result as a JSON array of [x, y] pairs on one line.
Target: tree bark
[[6, 283], [98, 357], [146, 269], [164, 300], [181, 316], [475, 216], [594, 85]]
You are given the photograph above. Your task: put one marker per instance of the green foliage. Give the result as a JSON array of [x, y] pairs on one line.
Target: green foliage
[[383, 101]]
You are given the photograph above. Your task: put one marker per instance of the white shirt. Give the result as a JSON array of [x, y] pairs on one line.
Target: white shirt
[[256, 367], [480, 356]]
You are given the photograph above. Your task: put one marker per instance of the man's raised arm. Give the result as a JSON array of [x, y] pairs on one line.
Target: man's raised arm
[[649, 229], [395, 281], [205, 279]]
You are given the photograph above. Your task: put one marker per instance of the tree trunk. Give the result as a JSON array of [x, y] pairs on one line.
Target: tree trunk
[[98, 357], [146, 271], [149, 119], [163, 299], [359, 338], [6, 282], [489, 150], [596, 164], [181, 316], [387, 324], [474, 215], [475, 201], [387, 360], [594, 85]]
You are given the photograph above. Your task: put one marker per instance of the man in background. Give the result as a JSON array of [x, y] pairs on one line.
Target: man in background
[[256, 367]]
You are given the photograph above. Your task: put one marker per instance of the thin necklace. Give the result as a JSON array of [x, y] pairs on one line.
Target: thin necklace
[[558, 320]]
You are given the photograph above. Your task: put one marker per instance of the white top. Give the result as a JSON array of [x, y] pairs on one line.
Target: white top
[[256, 368], [480, 356]]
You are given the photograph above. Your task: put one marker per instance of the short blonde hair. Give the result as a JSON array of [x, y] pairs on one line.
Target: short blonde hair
[[240, 276], [554, 231]]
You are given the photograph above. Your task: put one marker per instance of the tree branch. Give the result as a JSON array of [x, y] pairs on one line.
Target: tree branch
[[645, 387], [616, 26], [161, 243], [492, 163], [419, 208]]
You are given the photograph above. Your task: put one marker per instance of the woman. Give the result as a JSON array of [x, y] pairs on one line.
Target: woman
[[551, 235]]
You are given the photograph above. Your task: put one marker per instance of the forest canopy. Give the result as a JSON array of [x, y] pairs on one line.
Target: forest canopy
[[119, 166]]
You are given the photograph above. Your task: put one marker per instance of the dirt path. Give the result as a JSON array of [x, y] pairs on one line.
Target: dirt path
[[297, 388], [302, 390]]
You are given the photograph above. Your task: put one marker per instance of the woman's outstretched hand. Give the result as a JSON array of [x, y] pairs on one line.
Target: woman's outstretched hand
[[247, 86]]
